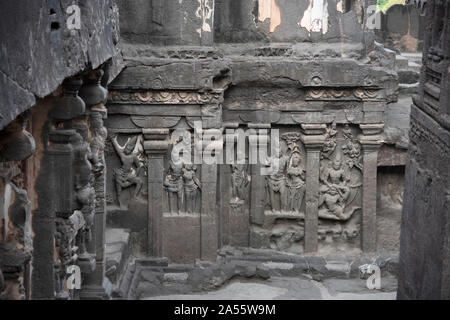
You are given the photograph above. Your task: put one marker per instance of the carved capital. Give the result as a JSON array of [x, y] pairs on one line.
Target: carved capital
[[313, 136], [370, 143], [156, 140], [372, 128], [371, 139]]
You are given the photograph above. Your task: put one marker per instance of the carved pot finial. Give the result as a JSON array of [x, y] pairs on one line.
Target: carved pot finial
[[92, 91], [70, 105]]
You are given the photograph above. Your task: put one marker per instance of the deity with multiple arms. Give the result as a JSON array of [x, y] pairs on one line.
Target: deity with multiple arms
[[334, 191], [127, 176]]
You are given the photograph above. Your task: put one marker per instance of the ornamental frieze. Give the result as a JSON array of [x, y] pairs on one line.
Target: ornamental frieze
[[342, 94], [164, 97]]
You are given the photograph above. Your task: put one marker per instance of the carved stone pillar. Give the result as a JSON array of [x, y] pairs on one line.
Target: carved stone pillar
[[55, 199], [371, 141], [95, 283], [156, 145], [313, 140], [57, 221], [94, 95], [257, 194], [208, 215]]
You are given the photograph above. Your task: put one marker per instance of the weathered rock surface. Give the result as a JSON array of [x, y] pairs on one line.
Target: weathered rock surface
[[38, 51]]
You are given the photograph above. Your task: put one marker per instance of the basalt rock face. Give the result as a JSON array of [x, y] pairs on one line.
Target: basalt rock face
[[307, 70], [424, 249], [38, 48]]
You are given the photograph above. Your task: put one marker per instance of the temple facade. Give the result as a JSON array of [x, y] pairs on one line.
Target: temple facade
[[188, 128]]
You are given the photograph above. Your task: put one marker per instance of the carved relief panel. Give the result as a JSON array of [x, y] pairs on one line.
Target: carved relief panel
[[286, 187], [340, 186], [128, 175], [182, 182]]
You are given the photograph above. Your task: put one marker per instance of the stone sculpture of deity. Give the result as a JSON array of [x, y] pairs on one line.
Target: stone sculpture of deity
[[239, 181], [174, 186], [128, 174], [334, 190], [276, 183], [192, 187], [295, 183]]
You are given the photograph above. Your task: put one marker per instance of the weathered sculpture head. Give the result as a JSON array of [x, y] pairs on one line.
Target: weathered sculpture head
[[337, 164], [296, 160], [130, 146]]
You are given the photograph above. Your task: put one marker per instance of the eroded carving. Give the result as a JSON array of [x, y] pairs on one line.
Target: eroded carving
[[192, 187], [15, 242], [239, 182], [287, 183], [174, 187], [340, 174], [129, 174]]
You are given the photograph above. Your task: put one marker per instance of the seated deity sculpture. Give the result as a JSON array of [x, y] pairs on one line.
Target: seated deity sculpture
[[334, 191]]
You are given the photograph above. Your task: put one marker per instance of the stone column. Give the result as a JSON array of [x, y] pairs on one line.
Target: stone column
[[56, 196], [96, 285], [94, 95], [208, 215], [371, 141], [258, 181], [55, 203], [313, 139], [156, 145]]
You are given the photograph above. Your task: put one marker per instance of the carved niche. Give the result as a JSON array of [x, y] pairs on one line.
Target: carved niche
[[340, 184], [285, 186], [182, 186], [131, 172]]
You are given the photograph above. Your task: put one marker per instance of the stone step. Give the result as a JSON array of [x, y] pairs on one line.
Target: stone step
[[408, 88], [408, 76], [117, 251], [401, 62], [416, 57]]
